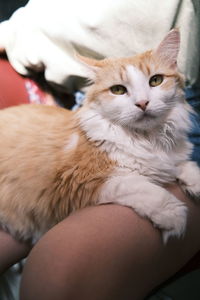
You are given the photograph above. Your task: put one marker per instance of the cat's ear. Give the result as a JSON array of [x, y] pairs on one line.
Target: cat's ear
[[169, 48], [91, 66]]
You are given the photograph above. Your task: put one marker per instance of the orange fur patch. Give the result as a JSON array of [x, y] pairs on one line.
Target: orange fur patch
[[42, 182]]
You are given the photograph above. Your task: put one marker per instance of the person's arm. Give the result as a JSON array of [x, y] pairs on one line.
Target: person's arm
[[44, 35], [106, 252]]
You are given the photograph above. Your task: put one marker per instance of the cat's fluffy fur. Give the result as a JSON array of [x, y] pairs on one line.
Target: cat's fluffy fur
[[53, 161]]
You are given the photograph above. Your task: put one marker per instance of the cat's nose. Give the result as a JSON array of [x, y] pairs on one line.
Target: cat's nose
[[142, 104]]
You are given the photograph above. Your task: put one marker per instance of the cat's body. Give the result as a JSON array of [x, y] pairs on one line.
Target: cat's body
[[122, 147]]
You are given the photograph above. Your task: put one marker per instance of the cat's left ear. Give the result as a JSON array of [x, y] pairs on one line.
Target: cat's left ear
[[90, 66], [169, 48]]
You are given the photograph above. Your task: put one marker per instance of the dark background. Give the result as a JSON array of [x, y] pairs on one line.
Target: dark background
[[7, 7]]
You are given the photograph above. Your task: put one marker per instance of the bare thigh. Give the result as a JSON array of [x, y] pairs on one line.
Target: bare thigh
[[11, 251], [106, 252]]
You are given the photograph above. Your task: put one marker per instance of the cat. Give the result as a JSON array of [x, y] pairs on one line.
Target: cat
[[127, 141]]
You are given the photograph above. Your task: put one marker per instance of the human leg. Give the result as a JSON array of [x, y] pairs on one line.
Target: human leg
[[11, 251], [106, 252]]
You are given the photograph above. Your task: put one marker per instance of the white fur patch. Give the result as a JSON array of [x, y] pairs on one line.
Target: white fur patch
[[148, 200], [189, 178], [72, 142], [139, 83], [155, 155]]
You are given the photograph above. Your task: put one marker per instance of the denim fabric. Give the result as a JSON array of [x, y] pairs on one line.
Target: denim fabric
[[79, 98], [193, 97]]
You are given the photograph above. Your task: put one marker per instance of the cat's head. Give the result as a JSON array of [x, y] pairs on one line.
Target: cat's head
[[139, 91]]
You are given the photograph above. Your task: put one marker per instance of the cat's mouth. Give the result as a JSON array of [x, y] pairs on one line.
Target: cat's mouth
[[146, 116]]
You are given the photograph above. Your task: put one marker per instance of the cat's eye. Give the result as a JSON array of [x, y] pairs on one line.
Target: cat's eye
[[156, 80], [118, 89]]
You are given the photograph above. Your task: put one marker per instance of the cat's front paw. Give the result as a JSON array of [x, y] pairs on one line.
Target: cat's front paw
[[150, 201], [165, 211], [179, 224], [172, 220], [189, 179]]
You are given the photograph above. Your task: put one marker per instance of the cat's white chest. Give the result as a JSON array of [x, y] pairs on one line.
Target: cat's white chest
[[143, 159], [134, 153]]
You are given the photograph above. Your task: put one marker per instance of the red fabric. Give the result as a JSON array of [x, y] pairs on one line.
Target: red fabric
[[16, 89]]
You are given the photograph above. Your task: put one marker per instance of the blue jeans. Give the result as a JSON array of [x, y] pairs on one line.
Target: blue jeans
[[193, 97]]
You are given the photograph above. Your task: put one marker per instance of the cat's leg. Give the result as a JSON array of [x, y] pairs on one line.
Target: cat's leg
[[148, 200], [189, 179]]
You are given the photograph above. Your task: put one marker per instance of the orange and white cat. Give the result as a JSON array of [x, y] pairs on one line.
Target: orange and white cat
[[127, 141]]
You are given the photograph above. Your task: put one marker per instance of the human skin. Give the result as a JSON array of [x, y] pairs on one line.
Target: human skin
[[106, 252], [11, 251]]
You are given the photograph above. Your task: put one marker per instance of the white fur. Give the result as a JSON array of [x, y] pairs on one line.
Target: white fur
[[138, 84], [148, 200], [189, 178], [155, 154], [72, 142]]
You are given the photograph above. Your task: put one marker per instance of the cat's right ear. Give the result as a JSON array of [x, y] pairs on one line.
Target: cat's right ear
[[90, 66]]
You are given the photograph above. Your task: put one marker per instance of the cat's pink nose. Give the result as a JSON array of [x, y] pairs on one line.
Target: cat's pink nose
[[142, 104]]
